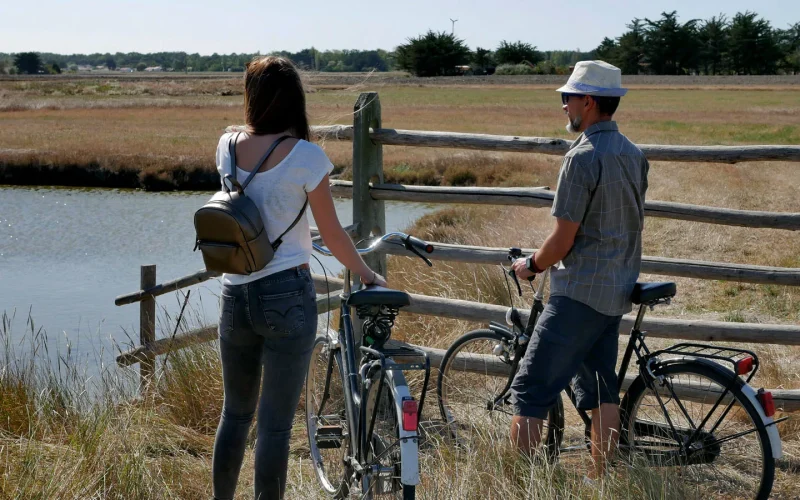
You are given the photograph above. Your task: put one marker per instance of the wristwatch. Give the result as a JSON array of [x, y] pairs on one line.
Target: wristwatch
[[530, 263]]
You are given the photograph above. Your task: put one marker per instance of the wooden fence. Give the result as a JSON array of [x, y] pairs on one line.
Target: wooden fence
[[369, 192]]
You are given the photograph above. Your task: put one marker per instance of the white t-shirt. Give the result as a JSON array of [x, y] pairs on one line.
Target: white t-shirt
[[279, 194]]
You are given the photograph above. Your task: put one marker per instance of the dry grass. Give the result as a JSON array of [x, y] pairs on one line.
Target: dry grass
[[160, 125], [62, 443]]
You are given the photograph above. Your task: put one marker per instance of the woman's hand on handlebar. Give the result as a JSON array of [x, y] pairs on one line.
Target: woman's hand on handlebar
[[373, 278], [521, 269]]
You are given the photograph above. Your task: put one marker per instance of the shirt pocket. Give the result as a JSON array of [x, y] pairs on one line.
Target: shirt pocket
[[284, 313]]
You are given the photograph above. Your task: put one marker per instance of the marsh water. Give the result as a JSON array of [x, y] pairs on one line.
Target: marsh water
[[66, 253]]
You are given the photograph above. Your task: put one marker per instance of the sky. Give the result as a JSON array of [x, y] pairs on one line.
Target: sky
[[205, 26]]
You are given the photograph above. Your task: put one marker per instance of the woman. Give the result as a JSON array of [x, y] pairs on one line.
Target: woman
[[268, 320]]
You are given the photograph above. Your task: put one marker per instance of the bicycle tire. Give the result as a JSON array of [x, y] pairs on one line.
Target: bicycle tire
[[458, 407], [330, 466], [649, 439], [386, 434]]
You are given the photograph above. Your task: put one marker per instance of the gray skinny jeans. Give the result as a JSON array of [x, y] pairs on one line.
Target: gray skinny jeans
[[266, 332]]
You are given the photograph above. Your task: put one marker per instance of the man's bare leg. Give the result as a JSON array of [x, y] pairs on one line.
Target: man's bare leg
[[526, 433], [605, 436]]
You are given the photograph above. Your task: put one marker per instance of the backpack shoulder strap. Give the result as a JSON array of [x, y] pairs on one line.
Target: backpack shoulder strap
[[279, 240], [232, 140], [262, 160]]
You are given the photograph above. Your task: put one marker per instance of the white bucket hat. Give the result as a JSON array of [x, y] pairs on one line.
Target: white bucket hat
[[596, 78]]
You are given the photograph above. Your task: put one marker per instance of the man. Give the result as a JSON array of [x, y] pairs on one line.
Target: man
[[597, 244]]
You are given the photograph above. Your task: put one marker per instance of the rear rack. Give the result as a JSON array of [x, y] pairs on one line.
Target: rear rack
[[725, 355]]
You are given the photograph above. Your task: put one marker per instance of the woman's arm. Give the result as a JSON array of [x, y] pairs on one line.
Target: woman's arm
[[335, 238]]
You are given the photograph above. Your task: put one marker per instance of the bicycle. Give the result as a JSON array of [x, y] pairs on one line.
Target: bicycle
[[690, 405], [361, 418]]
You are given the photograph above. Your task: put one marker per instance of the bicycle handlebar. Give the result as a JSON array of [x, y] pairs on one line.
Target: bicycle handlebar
[[410, 243]]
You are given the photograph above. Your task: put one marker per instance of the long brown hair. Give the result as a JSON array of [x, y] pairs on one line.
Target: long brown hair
[[274, 99]]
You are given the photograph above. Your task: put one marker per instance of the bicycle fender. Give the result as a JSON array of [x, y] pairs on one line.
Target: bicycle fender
[[409, 440], [772, 429], [501, 329], [749, 393]]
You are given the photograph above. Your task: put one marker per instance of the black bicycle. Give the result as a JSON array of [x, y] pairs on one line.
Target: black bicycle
[[689, 407], [362, 420]]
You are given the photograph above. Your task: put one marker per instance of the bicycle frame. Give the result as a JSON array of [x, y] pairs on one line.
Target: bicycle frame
[[358, 381]]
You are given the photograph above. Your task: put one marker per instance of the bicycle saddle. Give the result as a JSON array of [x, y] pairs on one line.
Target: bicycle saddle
[[644, 293], [378, 296]]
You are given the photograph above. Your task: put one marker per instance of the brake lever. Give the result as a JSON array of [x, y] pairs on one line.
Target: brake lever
[[408, 246], [510, 271]]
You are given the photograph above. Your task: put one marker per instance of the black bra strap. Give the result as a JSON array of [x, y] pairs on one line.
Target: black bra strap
[[262, 160]]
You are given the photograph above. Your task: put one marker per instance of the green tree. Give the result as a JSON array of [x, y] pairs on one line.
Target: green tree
[[432, 54], [790, 47], [482, 60], [753, 45], [517, 52], [141, 66], [28, 62], [671, 48], [110, 63], [630, 51], [607, 51], [713, 38]]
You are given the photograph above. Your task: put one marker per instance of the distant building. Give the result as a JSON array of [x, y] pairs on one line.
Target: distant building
[[125, 70], [154, 68]]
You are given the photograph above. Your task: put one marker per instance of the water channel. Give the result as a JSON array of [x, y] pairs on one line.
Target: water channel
[[66, 253]]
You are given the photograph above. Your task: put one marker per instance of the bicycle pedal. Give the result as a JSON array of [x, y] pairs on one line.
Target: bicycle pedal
[[329, 436]]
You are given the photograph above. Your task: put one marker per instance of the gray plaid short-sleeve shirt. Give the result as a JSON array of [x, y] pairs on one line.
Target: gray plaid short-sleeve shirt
[[602, 185]]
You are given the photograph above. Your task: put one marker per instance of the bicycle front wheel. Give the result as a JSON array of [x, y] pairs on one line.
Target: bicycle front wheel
[[326, 419], [716, 445], [473, 391]]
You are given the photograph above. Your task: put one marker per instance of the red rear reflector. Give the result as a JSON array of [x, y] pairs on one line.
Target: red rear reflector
[[429, 248], [765, 398], [744, 366], [410, 419]]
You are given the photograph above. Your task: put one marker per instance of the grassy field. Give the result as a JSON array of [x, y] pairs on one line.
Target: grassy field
[[56, 442], [161, 134]]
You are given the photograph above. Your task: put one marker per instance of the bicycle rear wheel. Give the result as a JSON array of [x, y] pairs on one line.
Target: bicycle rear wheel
[[473, 399], [679, 424], [326, 419]]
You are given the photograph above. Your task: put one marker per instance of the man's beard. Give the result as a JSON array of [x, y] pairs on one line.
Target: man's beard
[[574, 125]]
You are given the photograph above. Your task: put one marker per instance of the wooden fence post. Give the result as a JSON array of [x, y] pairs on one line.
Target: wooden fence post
[[147, 326], [368, 214]]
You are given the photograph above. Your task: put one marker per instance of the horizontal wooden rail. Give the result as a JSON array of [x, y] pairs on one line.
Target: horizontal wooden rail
[[200, 336], [704, 331], [788, 400], [555, 146], [741, 273], [195, 278], [541, 197], [650, 265], [785, 399]]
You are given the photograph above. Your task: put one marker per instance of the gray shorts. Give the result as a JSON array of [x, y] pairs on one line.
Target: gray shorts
[[571, 342]]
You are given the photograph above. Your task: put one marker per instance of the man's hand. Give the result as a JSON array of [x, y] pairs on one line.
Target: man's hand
[[521, 270]]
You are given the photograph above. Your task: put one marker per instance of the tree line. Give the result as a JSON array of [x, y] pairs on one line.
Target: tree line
[[743, 44]]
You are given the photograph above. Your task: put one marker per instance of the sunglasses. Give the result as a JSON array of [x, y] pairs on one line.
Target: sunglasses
[[565, 97]]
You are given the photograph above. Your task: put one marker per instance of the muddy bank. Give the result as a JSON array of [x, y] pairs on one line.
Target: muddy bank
[[183, 176]]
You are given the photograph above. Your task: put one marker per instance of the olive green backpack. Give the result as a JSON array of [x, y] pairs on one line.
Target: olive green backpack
[[229, 228]]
